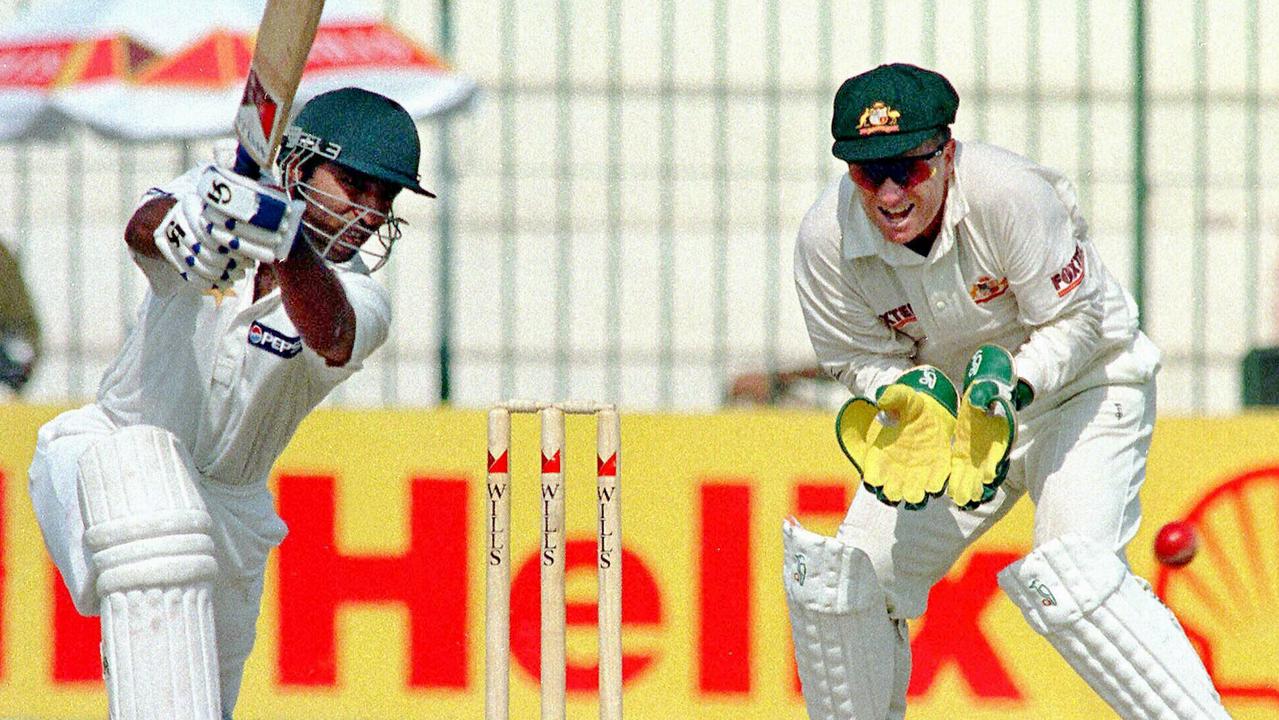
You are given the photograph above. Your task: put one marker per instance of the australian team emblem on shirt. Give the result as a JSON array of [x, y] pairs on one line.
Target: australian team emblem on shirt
[[987, 288]]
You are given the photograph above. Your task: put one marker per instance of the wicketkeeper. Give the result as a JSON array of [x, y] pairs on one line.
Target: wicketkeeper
[[153, 500], [954, 289]]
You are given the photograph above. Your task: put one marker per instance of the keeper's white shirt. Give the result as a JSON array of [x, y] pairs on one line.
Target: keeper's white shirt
[[1012, 265], [234, 380]]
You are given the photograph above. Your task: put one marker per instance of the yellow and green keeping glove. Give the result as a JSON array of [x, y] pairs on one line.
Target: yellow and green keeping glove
[[900, 444], [986, 426]]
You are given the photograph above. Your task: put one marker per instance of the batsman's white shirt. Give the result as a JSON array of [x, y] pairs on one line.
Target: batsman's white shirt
[[1012, 265], [232, 381]]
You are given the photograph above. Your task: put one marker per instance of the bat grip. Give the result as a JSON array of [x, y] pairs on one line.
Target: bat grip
[[245, 164]]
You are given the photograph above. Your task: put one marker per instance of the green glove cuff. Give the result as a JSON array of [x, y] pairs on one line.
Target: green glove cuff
[[994, 364], [851, 423], [1023, 394], [932, 382]]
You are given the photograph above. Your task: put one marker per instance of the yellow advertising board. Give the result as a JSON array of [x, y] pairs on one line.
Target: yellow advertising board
[[374, 603]]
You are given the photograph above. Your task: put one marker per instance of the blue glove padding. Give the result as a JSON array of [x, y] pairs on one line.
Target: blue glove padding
[[186, 241], [261, 217]]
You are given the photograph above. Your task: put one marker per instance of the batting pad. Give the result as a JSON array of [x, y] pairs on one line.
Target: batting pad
[[1114, 632], [147, 530], [853, 660]]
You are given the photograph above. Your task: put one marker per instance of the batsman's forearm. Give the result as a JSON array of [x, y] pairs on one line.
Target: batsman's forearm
[[317, 304], [139, 234]]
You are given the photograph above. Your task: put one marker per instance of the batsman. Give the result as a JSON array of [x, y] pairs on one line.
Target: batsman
[[153, 500], [953, 287]]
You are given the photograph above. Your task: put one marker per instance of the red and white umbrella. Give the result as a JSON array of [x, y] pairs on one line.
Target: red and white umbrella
[[191, 88], [33, 72]]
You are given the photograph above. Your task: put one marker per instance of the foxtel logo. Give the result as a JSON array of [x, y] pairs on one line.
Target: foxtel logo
[[1069, 277], [274, 341]]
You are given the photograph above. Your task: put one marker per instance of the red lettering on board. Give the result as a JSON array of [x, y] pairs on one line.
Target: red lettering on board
[[724, 619], [818, 496], [76, 638], [641, 606], [429, 579], [950, 631]]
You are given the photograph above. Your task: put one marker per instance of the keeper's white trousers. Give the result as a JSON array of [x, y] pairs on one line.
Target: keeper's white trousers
[[245, 529]]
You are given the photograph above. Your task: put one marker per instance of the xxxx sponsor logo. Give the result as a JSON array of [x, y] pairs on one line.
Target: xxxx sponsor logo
[[1225, 598], [899, 317]]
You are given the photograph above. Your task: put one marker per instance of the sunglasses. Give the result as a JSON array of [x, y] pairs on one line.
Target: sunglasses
[[907, 171]]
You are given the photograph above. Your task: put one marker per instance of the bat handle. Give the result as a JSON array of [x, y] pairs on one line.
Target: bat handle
[[245, 164]]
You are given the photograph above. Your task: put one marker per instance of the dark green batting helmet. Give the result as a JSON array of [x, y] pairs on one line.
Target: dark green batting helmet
[[362, 130]]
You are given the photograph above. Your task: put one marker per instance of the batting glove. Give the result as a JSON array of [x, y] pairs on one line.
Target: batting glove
[[186, 240], [256, 220]]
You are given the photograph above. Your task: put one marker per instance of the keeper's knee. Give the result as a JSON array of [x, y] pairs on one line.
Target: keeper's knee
[[853, 659], [1112, 630]]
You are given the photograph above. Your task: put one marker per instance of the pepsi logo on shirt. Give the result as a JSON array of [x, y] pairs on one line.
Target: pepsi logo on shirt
[[274, 341]]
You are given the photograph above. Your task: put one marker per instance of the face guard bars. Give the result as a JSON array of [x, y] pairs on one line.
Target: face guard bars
[[353, 236]]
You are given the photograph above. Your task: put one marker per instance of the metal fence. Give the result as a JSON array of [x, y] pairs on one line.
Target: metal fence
[[618, 208]]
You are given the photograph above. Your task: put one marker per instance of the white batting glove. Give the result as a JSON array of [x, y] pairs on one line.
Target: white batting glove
[[185, 239], [254, 219]]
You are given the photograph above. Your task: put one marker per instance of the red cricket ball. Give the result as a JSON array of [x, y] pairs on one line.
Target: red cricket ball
[[1176, 543]]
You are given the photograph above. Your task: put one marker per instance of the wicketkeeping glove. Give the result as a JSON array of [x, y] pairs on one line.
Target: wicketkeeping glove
[[986, 426], [256, 220], [900, 444], [185, 239]]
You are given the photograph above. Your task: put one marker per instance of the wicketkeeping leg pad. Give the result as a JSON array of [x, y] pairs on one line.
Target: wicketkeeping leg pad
[[147, 530], [853, 659], [1112, 630]]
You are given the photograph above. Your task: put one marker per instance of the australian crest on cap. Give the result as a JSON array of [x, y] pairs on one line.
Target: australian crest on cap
[[878, 118]]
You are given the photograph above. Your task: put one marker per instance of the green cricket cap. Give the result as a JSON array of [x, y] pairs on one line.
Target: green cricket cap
[[889, 110]]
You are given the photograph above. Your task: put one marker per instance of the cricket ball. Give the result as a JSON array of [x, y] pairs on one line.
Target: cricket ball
[[1176, 543]]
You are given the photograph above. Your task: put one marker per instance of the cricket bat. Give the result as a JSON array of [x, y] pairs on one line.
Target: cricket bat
[[284, 40]]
